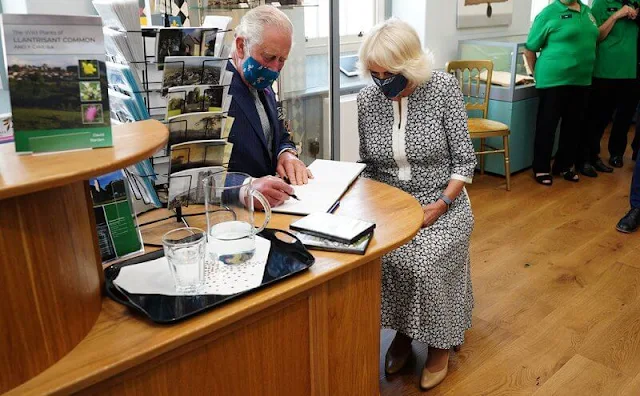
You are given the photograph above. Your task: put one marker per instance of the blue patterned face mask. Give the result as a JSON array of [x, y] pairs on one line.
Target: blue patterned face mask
[[258, 76], [391, 86]]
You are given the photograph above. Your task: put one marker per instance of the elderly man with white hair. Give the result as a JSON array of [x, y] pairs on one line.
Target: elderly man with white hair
[[261, 145]]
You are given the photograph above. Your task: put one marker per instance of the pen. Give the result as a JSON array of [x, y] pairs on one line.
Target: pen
[[294, 196], [334, 207]]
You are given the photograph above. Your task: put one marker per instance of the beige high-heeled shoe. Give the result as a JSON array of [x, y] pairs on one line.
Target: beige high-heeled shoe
[[430, 380]]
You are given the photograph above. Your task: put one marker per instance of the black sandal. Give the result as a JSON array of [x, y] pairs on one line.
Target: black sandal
[[545, 179], [570, 175]]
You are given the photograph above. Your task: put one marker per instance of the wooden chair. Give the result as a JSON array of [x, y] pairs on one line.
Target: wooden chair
[[476, 86]]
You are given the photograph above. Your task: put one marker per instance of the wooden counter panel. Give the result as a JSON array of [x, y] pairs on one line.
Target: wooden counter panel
[[264, 355], [49, 279], [354, 331], [322, 342]]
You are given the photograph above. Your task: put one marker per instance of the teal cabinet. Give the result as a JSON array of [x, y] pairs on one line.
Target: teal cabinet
[[515, 103]]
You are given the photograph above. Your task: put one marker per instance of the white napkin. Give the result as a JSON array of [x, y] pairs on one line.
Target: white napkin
[[154, 277]]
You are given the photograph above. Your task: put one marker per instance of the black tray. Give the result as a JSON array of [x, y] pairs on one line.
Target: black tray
[[285, 259]]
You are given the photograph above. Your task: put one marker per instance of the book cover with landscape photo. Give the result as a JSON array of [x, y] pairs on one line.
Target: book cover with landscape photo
[[57, 82]]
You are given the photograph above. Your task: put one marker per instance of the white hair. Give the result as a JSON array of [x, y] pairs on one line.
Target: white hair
[[253, 23], [395, 46]]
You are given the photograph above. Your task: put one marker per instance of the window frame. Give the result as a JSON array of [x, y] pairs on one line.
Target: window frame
[[349, 42]]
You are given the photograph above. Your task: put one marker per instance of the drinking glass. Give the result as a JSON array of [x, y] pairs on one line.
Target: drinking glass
[[185, 249], [229, 207]]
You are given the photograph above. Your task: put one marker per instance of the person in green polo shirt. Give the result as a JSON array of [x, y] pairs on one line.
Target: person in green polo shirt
[[615, 87], [565, 34]]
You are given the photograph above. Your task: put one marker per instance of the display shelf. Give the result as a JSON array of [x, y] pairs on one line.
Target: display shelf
[[507, 55], [50, 267], [23, 174], [514, 105]]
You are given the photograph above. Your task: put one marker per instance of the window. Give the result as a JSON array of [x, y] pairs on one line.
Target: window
[[356, 16]]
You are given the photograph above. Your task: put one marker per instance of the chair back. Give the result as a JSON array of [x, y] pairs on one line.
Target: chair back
[[474, 77]]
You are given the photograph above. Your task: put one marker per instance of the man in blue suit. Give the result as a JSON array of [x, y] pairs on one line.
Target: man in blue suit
[[631, 221], [261, 145]]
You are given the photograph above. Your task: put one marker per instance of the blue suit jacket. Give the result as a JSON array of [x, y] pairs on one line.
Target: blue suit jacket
[[250, 154]]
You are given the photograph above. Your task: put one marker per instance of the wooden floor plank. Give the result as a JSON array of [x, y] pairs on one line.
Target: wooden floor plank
[[618, 345], [557, 293], [632, 388], [581, 376], [482, 342]]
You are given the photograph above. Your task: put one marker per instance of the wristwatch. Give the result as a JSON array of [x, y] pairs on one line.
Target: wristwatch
[[446, 200]]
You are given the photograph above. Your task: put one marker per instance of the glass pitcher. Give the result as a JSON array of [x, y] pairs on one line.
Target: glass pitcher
[[229, 206]]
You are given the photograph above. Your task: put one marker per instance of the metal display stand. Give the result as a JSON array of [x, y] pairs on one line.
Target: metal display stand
[[149, 62]]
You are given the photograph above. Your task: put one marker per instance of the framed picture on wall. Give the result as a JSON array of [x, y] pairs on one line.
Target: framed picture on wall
[[484, 13]]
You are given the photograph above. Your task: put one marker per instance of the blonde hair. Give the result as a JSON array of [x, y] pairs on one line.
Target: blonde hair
[[395, 46]]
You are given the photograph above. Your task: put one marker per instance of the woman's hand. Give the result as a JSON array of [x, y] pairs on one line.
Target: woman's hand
[[626, 12], [432, 212]]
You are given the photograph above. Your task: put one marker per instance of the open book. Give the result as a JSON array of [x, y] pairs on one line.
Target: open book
[[331, 180], [503, 79]]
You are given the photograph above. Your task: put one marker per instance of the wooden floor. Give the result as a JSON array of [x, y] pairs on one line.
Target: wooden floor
[[557, 293]]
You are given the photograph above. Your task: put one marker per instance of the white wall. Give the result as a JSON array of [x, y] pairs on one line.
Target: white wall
[[435, 21], [414, 12], [58, 7]]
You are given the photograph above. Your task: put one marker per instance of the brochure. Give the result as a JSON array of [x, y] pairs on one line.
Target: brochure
[[193, 70], [57, 82], [197, 98], [185, 41], [118, 234]]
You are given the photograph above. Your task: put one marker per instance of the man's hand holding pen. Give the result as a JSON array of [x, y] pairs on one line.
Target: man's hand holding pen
[[290, 171], [286, 180], [276, 190]]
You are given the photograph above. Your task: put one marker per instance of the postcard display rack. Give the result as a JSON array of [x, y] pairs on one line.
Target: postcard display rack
[[153, 93]]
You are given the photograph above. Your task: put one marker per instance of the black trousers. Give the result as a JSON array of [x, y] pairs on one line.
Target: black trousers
[[569, 103], [607, 96]]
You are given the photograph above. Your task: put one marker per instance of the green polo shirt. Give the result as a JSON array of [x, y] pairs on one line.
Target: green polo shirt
[[566, 40], [617, 54]]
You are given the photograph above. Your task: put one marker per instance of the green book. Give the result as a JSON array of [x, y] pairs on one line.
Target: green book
[[57, 82], [118, 234]]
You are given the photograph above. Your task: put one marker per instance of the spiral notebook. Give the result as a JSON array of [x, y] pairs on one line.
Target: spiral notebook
[[338, 228]]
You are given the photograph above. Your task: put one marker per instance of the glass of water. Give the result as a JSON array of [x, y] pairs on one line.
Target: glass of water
[[185, 249]]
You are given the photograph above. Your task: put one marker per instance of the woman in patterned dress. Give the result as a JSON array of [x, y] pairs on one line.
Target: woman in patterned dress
[[413, 135]]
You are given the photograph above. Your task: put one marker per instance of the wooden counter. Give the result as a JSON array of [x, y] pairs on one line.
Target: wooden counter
[[50, 272], [314, 334]]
